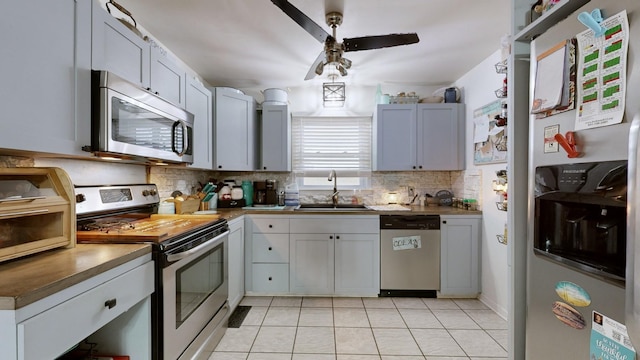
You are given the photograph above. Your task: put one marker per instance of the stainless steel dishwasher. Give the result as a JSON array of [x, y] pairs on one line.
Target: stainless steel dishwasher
[[409, 255]]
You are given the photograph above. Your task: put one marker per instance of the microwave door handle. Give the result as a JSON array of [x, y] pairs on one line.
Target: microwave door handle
[[185, 139]]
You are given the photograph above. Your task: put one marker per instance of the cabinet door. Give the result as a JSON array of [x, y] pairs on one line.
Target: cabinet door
[[167, 78], [275, 137], [198, 102], [235, 131], [236, 262], [311, 264], [357, 266], [117, 49], [395, 147], [43, 68], [440, 129], [460, 263]]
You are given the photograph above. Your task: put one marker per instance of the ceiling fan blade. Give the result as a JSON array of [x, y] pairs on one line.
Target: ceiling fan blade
[[312, 70], [380, 41], [301, 19]]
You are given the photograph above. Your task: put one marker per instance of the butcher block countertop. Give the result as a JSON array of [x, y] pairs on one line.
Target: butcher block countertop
[[32, 278]]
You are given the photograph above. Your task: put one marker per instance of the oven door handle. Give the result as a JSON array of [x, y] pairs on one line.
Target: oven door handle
[[185, 254]]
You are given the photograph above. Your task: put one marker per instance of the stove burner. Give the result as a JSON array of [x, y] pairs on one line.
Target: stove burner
[[108, 225]]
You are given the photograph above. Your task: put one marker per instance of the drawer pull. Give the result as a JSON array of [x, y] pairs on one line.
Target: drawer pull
[[111, 303], [270, 226], [270, 278], [270, 248]]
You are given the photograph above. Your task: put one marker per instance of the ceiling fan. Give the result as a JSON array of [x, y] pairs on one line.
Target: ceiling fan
[[332, 52]]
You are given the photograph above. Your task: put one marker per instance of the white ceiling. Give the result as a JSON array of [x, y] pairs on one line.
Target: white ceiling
[[252, 44]]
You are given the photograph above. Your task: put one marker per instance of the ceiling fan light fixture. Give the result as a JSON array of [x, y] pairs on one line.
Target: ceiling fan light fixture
[[342, 70], [346, 63], [320, 68], [333, 94]]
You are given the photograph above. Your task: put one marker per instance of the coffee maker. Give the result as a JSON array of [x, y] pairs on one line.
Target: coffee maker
[[265, 193]]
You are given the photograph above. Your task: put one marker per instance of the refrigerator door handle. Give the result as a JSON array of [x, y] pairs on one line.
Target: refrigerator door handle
[[632, 301]]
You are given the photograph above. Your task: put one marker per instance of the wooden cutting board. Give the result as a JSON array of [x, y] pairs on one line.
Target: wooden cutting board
[[154, 229]]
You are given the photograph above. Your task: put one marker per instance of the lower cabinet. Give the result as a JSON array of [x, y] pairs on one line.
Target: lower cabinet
[[312, 263], [236, 262], [335, 255], [97, 309], [267, 255], [460, 255], [357, 264]]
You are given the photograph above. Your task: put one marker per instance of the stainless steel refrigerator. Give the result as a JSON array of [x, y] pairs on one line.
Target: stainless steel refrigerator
[[582, 211]]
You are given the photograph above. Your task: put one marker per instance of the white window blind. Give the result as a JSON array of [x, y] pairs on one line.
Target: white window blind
[[320, 144]]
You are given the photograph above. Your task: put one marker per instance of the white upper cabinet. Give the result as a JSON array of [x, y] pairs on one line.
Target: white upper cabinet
[[45, 92], [275, 153], [235, 130], [419, 137], [117, 49], [167, 79], [198, 102]]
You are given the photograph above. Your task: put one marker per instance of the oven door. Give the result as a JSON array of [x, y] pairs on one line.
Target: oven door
[[194, 290]]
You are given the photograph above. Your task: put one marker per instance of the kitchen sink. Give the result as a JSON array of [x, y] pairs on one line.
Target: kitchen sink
[[331, 207]]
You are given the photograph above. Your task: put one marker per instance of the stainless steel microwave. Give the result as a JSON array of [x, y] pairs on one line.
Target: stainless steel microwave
[[131, 123]]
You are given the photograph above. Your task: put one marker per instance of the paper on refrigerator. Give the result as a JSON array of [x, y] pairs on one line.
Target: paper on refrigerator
[[602, 78]]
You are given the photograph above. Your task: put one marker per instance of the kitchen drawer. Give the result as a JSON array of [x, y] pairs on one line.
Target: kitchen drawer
[[270, 248], [271, 278], [338, 225], [270, 225], [44, 334]]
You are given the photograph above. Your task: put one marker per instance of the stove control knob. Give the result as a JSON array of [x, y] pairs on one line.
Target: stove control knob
[[80, 198], [151, 192]]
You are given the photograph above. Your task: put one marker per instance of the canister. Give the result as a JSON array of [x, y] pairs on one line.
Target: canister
[[237, 193], [247, 189]]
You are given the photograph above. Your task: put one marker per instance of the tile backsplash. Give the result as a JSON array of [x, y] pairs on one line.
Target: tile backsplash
[[464, 184]]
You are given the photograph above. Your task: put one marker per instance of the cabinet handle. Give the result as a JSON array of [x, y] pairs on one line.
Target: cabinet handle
[[111, 303], [270, 278], [444, 221], [337, 237], [270, 226], [420, 167], [264, 168], [414, 167], [270, 248], [219, 166], [330, 236]]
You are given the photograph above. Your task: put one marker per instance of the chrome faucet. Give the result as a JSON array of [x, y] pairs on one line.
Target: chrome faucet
[[334, 177]]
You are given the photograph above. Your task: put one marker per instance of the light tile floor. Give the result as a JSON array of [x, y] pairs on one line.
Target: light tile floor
[[315, 328]]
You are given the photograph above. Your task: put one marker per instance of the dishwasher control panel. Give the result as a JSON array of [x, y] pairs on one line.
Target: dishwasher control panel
[[418, 222]]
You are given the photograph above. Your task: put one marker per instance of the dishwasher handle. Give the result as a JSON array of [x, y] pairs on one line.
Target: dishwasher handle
[[410, 222]]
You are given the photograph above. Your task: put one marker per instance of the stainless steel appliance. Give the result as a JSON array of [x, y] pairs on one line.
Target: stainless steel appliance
[[409, 255], [132, 123], [265, 193], [189, 306], [632, 305], [580, 217], [575, 264]]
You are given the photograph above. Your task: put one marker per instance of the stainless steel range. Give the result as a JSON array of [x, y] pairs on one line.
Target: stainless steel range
[[189, 305]]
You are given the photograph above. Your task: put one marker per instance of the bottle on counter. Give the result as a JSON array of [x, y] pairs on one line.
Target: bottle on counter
[[247, 189]]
